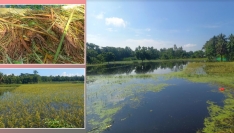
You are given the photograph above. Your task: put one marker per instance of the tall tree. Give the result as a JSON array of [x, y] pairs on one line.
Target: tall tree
[[230, 47], [221, 46], [1, 77], [141, 53], [35, 72], [210, 48]]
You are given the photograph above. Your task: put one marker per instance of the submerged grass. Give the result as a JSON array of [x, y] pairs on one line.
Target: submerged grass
[[7, 88], [43, 106], [212, 72]]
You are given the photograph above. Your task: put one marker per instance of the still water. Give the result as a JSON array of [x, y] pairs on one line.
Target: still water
[[121, 99]]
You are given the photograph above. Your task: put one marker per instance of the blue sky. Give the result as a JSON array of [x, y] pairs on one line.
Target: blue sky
[[46, 72], [159, 24]]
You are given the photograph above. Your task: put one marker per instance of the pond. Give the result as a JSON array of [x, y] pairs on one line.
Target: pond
[[138, 98]]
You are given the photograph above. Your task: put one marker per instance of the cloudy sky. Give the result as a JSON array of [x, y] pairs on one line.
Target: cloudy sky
[[158, 24], [46, 72]]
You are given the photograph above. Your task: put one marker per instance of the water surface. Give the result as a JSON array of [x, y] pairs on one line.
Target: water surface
[[117, 102]]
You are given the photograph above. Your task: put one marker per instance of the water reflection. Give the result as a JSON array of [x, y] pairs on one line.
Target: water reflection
[[137, 68]]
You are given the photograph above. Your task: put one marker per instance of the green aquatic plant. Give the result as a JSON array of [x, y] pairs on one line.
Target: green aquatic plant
[[107, 96], [221, 119]]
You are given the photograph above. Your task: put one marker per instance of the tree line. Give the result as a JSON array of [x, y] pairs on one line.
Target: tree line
[[97, 54], [26, 78], [220, 46], [137, 68]]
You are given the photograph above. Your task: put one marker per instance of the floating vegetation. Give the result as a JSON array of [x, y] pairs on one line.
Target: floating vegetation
[[43, 106], [221, 118], [107, 95]]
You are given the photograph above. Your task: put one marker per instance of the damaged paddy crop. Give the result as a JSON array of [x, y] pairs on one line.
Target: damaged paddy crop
[[50, 34], [42, 106], [189, 96]]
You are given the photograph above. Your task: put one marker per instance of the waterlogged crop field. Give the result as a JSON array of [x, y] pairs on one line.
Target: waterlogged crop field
[[42, 106], [187, 100]]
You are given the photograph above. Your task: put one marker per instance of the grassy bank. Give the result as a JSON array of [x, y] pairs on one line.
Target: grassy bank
[[221, 73], [43, 106], [139, 61]]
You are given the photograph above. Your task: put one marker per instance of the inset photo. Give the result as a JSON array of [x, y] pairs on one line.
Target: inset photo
[[42, 34], [42, 98]]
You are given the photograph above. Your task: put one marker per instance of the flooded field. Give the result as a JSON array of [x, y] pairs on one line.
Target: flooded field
[[147, 98], [50, 105]]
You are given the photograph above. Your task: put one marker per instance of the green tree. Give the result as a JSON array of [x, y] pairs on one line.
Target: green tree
[[141, 53], [109, 56], [210, 48], [1, 77], [221, 46], [230, 48], [35, 77], [101, 58]]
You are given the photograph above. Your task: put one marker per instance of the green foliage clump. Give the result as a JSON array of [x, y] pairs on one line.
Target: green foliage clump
[[221, 119], [220, 46]]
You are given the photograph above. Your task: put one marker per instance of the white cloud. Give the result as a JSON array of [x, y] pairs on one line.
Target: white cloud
[[111, 29], [189, 45], [100, 16], [70, 74], [133, 43], [92, 38], [148, 29], [119, 22]]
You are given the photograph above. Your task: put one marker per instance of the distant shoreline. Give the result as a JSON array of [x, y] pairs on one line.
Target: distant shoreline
[[139, 61]]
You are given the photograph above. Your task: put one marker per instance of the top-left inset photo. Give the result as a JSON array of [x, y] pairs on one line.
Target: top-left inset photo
[[42, 34]]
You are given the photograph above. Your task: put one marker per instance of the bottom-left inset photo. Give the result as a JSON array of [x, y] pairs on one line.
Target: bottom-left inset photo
[[42, 98]]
